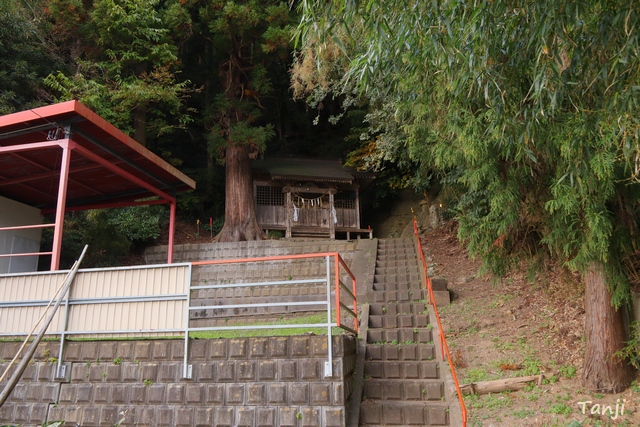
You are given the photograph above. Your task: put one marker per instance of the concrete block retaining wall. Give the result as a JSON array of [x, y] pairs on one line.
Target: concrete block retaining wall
[[251, 382], [254, 248]]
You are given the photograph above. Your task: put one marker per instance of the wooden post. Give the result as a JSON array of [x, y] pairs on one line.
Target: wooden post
[[357, 208], [289, 210], [332, 218]]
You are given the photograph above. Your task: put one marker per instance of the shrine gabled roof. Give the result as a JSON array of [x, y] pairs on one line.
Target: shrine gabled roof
[[125, 171], [312, 170]]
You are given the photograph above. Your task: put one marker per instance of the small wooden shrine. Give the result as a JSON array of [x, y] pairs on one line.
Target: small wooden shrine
[[309, 197]]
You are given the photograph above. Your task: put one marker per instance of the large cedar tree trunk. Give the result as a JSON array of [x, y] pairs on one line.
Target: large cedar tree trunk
[[240, 222], [605, 333]]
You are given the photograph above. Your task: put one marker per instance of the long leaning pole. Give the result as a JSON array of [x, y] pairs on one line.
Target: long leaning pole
[[13, 381]]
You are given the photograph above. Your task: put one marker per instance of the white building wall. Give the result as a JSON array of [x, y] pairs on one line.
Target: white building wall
[[13, 213]]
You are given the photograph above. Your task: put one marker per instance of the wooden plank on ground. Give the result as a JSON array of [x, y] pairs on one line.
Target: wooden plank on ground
[[497, 386]]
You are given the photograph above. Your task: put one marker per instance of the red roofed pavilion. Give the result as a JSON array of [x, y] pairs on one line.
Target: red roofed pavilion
[[65, 157]]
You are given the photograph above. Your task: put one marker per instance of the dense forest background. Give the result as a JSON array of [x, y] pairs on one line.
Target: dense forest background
[[163, 71]]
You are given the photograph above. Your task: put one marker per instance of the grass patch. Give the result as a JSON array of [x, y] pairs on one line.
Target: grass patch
[[272, 332], [474, 375], [523, 413], [560, 409]]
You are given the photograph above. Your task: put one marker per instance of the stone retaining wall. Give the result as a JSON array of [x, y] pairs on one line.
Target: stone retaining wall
[[253, 248], [252, 382]]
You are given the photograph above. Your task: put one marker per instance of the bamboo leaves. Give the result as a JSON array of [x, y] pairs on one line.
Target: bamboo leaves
[[536, 103]]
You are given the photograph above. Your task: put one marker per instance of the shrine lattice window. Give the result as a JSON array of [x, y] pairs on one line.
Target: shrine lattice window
[[269, 196], [345, 200]]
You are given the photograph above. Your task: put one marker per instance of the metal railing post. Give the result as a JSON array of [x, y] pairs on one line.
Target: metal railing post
[[60, 370], [186, 368], [328, 366]]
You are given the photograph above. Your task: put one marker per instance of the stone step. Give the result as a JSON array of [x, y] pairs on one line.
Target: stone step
[[398, 321], [397, 253], [414, 390], [398, 271], [397, 263], [394, 308], [384, 413], [395, 241], [406, 246], [400, 352], [399, 296], [412, 286], [397, 276], [400, 335], [402, 370]]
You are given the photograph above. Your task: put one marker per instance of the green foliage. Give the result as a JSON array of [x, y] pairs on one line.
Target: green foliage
[[631, 351], [234, 28], [23, 60], [89, 228], [527, 113], [139, 224], [128, 72], [216, 225], [567, 371], [560, 409], [473, 375], [111, 234]]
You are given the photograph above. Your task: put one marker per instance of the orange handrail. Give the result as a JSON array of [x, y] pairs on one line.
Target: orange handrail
[[338, 261], [444, 348]]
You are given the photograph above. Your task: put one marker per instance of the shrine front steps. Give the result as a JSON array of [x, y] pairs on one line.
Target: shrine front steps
[[402, 384]]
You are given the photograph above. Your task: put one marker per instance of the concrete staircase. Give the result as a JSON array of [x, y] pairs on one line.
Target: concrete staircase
[[403, 385], [401, 378]]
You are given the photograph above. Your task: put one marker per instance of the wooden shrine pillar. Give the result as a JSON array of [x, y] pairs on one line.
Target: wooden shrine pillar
[[333, 215], [289, 211]]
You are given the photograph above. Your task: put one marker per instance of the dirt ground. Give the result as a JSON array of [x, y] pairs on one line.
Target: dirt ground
[[522, 326], [530, 322]]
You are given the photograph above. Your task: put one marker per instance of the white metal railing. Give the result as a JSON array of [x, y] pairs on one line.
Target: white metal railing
[[156, 300], [330, 276]]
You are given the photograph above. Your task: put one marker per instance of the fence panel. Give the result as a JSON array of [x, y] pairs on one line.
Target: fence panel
[[118, 302]]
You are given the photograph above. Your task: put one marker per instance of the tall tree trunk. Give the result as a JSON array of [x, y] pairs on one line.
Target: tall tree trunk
[[605, 333], [240, 222], [140, 124]]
